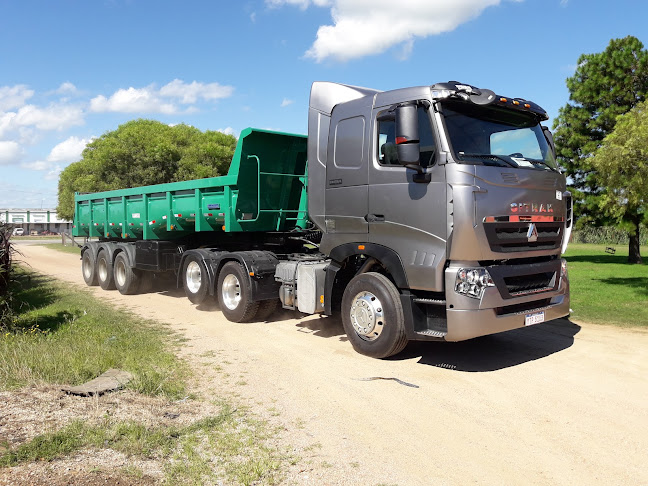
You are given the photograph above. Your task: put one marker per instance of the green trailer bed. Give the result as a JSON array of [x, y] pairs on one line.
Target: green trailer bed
[[264, 190]]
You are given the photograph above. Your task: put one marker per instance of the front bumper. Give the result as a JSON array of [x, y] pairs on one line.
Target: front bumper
[[469, 318]]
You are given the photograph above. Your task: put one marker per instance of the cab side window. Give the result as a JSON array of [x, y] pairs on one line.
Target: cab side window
[[387, 154]]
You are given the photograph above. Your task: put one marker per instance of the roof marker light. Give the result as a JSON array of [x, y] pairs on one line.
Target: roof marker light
[[503, 100]]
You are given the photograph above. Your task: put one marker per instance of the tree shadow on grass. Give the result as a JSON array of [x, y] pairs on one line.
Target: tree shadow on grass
[[34, 292], [638, 284], [497, 351], [603, 258]]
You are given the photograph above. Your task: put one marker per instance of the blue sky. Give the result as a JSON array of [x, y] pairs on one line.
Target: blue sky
[[72, 70]]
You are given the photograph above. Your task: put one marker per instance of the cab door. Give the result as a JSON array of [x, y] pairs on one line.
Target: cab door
[[347, 193], [406, 216]]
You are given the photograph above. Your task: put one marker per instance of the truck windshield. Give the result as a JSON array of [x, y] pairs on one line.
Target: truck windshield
[[496, 136]]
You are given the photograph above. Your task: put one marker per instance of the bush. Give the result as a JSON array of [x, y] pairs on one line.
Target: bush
[[6, 300], [606, 235]]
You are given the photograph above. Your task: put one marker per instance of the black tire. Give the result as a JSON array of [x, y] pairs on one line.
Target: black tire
[[89, 269], [104, 271], [195, 279], [234, 294], [372, 315], [266, 309], [127, 279]]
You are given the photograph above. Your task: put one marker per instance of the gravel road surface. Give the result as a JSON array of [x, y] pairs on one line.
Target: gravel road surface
[[557, 403]]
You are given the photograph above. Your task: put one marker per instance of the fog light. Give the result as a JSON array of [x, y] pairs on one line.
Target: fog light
[[472, 282]]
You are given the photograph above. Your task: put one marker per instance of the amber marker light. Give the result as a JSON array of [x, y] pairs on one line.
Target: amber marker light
[[361, 247], [503, 100]]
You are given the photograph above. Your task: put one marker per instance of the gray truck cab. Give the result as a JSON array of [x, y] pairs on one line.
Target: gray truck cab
[[442, 203]]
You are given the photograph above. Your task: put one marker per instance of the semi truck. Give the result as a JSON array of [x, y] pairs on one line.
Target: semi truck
[[433, 213]]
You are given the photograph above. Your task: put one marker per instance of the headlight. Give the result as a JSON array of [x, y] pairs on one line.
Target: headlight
[[563, 268], [471, 282]]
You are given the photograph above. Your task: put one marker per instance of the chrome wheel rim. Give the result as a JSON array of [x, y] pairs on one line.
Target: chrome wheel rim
[[120, 273], [193, 277], [87, 267], [367, 316], [102, 268], [231, 292]]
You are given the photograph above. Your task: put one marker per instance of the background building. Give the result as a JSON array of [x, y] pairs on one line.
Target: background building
[[35, 221]]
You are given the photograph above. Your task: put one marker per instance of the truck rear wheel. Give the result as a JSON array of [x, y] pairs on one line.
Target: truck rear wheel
[[88, 268], [195, 279], [234, 294], [104, 269], [372, 315], [127, 279]]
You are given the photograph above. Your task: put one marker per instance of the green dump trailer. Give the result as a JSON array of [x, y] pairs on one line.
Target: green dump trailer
[[432, 213], [264, 190]]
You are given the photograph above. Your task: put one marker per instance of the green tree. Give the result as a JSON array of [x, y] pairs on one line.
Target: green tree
[[621, 165], [604, 86], [144, 152]]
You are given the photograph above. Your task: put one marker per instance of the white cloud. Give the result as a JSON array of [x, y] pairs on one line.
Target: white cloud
[[227, 131], [286, 102], [190, 92], [63, 153], [152, 100], [10, 152], [132, 100], [66, 88], [36, 165], [12, 97], [53, 117], [302, 4], [69, 150], [366, 27]]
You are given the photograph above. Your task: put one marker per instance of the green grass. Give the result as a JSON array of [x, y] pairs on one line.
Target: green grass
[[605, 289], [66, 249], [64, 335], [229, 445]]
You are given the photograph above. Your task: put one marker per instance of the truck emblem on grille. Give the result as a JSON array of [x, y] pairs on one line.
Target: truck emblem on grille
[[532, 234]]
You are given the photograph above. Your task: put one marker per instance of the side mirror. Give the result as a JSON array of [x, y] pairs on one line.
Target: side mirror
[[407, 135], [550, 140]]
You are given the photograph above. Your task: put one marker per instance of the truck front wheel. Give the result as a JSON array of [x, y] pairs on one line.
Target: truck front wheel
[[195, 279], [372, 315], [88, 268], [234, 294], [127, 279], [104, 269]]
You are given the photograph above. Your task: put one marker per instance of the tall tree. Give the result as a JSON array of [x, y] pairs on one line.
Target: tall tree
[[144, 152], [621, 165], [604, 86]]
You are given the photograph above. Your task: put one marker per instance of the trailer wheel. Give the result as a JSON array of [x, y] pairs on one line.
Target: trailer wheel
[[234, 294], [104, 269], [195, 279], [88, 268], [127, 279], [372, 315]]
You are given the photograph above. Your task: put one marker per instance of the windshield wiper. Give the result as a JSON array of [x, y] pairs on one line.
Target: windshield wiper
[[542, 162], [489, 156]]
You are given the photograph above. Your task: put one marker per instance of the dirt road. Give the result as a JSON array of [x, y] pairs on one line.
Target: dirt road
[[558, 403]]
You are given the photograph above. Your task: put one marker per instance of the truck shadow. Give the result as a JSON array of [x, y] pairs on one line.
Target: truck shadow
[[497, 351], [324, 326]]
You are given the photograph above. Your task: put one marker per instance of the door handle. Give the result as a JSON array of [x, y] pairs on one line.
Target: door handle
[[375, 218]]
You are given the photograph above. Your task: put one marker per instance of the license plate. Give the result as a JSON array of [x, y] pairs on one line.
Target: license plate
[[535, 318]]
